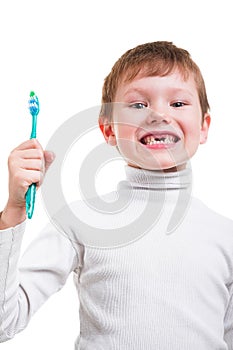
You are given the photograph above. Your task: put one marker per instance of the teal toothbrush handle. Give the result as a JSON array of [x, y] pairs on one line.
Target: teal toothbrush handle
[[31, 192], [30, 200], [34, 124]]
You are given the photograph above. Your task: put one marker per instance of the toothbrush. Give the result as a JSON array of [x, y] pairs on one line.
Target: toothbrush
[[34, 108]]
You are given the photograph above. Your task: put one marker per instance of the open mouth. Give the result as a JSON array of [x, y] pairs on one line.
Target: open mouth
[[159, 139]]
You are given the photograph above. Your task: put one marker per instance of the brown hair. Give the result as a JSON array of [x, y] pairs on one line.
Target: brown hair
[[158, 58]]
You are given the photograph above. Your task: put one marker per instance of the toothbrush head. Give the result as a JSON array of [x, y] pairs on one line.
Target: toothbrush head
[[33, 104]]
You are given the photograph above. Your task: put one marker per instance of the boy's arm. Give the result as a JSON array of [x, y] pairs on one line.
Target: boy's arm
[[27, 164], [26, 285], [228, 321], [10, 242]]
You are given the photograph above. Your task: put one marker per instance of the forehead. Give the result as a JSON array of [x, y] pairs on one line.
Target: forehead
[[174, 81]]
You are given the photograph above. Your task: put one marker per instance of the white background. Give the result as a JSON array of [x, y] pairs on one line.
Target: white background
[[63, 50]]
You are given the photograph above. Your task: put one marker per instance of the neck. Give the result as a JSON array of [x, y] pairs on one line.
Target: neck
[[158, 179]]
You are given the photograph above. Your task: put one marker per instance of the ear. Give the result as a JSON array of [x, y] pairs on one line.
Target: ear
[[205, 128], [106, 126]]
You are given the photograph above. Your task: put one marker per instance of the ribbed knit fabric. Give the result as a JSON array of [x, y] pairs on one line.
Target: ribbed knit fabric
[[159, 291]]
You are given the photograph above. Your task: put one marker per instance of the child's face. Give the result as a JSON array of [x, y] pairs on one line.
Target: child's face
[[157, 122]]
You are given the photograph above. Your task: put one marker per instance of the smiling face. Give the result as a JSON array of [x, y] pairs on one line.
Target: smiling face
[[157, 122]]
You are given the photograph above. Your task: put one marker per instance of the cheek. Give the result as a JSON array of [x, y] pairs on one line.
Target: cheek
[[125, 132], [192, 139], [192, 129]]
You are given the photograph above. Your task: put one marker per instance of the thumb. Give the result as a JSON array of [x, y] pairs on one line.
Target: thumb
[[49, 157]]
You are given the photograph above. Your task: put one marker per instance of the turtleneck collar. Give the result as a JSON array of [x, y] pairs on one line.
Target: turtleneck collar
[[157, 179]]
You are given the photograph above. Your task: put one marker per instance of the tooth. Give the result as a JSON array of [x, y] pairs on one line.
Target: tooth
[[152, 140]]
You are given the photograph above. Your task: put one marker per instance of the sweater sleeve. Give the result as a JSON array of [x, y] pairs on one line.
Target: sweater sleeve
[[26, 284], [228, 321]]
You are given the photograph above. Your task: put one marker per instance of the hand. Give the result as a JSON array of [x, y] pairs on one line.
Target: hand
[[27, 164]]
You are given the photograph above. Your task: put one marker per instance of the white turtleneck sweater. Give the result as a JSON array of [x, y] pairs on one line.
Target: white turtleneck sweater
[[166, 287]]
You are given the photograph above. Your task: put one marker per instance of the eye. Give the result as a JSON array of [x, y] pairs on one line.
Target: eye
[[178, 104], [138, 105]]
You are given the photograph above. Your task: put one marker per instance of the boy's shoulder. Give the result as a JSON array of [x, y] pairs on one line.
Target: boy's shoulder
[[208, 217]]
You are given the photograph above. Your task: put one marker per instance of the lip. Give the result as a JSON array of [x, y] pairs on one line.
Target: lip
[[160, 146], [159, 133]]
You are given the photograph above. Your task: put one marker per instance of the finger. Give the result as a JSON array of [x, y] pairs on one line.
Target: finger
[[27, 177], [30, 153], [29, 144], [49, 158], [32, 164], [18, 159]]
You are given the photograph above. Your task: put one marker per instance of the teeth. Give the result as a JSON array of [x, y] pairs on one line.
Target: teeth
[[166, 139]]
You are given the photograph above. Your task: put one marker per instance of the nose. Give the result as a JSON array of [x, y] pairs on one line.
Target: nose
[[157, 117]]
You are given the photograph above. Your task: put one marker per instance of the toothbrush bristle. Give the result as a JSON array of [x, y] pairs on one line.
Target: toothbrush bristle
[[33, 104]]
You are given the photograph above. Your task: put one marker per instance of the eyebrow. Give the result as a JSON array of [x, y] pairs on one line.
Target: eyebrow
[[172, 90], [130, 90], [182, 91]]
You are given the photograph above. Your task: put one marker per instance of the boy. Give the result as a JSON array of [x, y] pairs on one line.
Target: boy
[[161, 291]]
